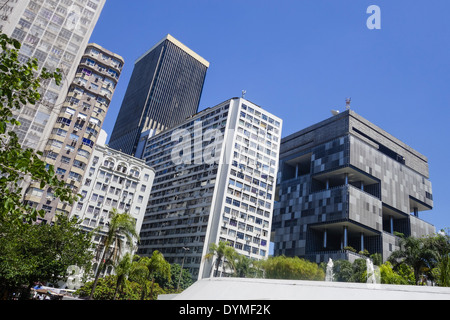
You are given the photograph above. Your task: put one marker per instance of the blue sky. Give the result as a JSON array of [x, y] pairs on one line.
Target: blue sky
[[301, 58]]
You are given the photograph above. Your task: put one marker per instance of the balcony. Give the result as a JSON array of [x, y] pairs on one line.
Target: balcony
[[335, 237], [346, 176]]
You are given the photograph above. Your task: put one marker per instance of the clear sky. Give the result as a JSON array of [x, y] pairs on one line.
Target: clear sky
[[301, 58]]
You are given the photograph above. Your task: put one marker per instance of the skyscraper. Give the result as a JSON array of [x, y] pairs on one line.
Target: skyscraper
[[73, 136], [221, 191], [55, 32], [164, 89], [346, 186]]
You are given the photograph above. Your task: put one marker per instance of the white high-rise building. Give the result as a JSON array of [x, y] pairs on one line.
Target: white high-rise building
[[55, 32], [215, 181]]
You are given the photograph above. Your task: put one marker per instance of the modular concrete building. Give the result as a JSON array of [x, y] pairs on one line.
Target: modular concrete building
[[345, 186]]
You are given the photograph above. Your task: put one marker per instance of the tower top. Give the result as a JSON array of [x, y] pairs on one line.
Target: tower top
[[183, 47]]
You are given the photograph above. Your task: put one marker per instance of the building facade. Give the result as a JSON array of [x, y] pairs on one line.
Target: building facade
[[55, 32], [215, 181], [72, 138], [112, 180], [345, 186], [164, 89]]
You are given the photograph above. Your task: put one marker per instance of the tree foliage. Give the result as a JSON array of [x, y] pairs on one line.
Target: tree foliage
[[404, 274], [170, 285], [41, 253], [427, 256], [110, 248], [19, 84], [136, 278], [106, 290], [153, 267], [29, 252], [281, 267], [223, 254]]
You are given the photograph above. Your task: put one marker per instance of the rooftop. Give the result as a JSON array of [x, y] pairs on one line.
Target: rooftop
[[181, 46]]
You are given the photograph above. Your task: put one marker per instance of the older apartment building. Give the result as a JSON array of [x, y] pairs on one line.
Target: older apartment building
[[112, 180], [73, 137]]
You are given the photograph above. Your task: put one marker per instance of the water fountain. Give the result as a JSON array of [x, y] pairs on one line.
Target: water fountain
[[329, 272], [373, 275]]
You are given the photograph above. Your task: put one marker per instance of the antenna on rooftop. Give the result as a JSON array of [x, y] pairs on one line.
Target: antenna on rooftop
[[243, 93], [347, 103]]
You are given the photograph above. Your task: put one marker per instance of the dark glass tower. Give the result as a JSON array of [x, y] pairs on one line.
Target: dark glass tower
[[164, 89]]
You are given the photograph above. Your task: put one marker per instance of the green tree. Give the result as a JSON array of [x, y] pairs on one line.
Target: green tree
[[359, 271], [19, 86], [170, 285], [120, 225], [122, 271], [343, 271], [41, 253], [106, 289], [156, 266], [245, 267], [404, 274], [440, 244], [223, 252], [281, 267], [415, 253]]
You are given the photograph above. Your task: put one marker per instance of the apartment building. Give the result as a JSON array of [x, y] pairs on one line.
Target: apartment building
[[55, 32], [74, 135], [215, 181], [346, 186], [112, 180]]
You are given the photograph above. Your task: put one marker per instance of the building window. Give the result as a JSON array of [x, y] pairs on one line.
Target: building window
[[88, 142], [65, 159]]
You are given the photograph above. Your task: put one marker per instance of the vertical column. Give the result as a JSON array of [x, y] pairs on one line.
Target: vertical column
[[416, 212], [327, 184], [325, 238], [362, 241], [391, 220], [296, 170], [362, 185], [346, 178], [345, 244]]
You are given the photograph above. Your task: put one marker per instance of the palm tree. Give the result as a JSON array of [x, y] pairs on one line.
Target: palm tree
[[414, 253], [120, 225], [156, 265], [243, 266], [122, 271], [440, 244], [224, 252], [139, 270]]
